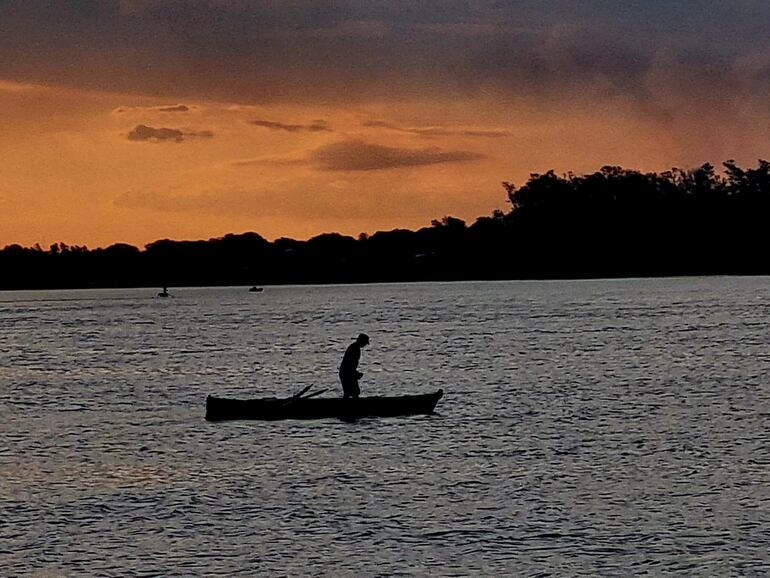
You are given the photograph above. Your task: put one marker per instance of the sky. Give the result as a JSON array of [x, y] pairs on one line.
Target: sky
[[136, 120]]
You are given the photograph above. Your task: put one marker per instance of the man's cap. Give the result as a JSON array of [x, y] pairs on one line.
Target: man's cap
[[363, 338]]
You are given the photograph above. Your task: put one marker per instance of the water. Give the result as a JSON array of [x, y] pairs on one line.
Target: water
[[589, 428]]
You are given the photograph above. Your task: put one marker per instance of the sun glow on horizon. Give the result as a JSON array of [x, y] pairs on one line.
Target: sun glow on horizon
[[337, 127]]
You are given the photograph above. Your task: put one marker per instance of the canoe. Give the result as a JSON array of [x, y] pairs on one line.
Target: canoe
[[273, 408]]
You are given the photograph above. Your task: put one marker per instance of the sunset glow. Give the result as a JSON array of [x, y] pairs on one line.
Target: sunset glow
[[138, 120]]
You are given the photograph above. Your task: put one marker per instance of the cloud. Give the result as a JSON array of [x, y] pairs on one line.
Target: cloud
[[144, 133], [144, 110], [177, 108], [226, 202], [315, 126], [435, 131], [374, 51], [270, 161], [669, 64], [200, 133], [357, 155], [17, 87], [291, 201], [302, 203]]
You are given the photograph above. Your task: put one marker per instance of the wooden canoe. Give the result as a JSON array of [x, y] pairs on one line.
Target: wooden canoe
[[272, 408]]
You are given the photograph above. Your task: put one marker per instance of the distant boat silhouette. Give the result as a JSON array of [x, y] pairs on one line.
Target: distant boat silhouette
[[255, 289], [163, 293]]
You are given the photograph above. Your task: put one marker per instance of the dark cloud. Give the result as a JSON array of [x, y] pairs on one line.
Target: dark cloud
[[315, 126], [357, 155], [146, 133], [307, 51], [151, 109], [434, 131], [143, 132]]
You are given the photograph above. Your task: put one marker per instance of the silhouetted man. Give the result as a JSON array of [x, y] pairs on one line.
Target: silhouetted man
[[349, 374]]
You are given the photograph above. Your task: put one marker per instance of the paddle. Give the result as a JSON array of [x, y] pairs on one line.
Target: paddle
[[315, 393], [297, 397], [301, 393]]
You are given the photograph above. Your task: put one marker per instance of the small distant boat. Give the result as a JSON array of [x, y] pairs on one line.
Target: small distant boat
[[163, 293], [255, 289], [296, 407]]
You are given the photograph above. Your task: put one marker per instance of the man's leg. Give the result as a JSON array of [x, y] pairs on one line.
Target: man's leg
[[346, 388]]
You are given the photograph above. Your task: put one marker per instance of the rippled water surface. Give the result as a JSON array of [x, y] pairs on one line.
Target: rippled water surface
[[589, 428]]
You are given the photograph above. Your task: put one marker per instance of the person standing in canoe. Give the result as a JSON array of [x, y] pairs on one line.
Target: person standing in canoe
[[349, 374]]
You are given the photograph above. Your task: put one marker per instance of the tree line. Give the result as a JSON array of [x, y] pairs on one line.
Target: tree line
[[611, 223]]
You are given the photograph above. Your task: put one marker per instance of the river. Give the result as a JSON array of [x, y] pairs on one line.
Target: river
[[608, 427]]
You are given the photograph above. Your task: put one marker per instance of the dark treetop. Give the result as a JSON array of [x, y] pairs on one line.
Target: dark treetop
[[612, 223]]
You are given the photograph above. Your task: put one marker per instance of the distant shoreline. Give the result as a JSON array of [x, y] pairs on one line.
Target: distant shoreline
[[245, 287], [614, 223]]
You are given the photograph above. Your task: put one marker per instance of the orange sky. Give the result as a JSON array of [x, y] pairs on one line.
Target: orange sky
[[96, 159]]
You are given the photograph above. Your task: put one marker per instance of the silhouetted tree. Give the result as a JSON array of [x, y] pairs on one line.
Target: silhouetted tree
[[613, 222]]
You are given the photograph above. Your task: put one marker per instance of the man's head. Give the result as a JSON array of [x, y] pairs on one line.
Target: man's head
[[363, 339]]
